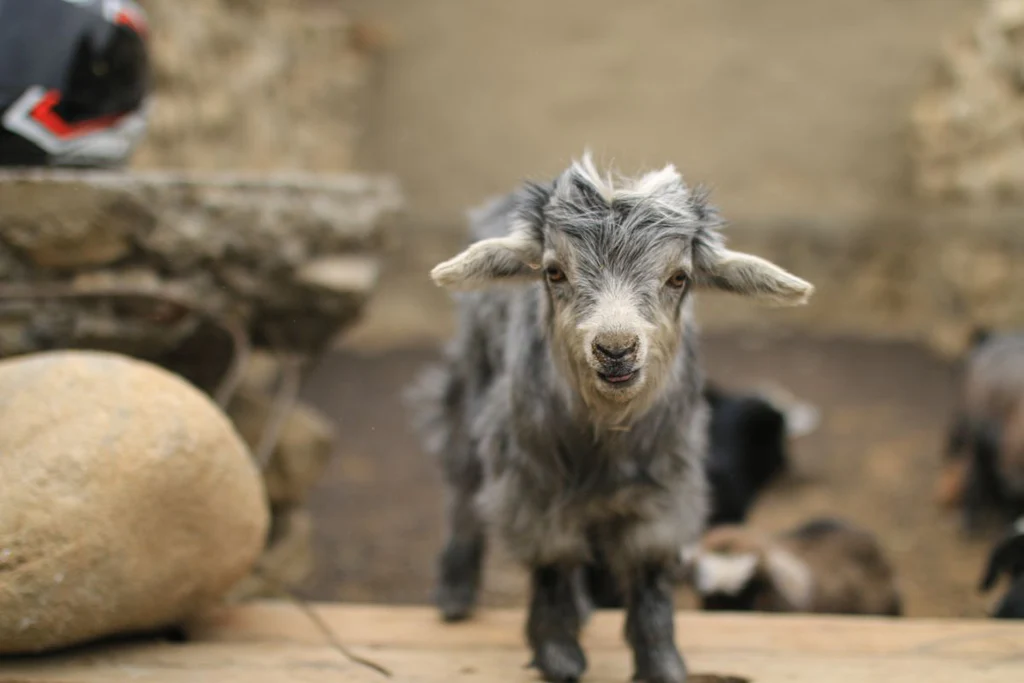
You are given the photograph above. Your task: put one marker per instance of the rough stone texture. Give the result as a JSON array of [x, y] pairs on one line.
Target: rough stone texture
[[253, 84], [287, 560], [127, 500], [292, 254], [968, 124], [926, 276], [303, 447]]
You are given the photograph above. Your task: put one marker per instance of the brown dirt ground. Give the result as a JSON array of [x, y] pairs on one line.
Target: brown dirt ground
[[873, 460]]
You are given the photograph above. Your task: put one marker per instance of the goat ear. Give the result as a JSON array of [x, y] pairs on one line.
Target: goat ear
[[753, 276], [791, 578], [1006, 557], [516, 257], [724, 573]]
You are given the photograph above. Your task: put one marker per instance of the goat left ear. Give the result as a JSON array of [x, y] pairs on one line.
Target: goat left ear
[[753, 276], [510, 259]]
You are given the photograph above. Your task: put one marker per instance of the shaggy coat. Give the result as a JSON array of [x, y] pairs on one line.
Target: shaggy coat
[[567, 412], [748, 449]]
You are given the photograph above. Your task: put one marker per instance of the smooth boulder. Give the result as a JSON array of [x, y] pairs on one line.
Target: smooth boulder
[[128, 502]]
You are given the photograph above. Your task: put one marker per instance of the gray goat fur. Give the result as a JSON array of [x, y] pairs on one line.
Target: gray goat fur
[[567, 412]]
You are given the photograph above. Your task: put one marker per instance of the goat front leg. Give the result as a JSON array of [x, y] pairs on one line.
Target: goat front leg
[[650, 626], [983, 489], [554, 623], [461, 562]]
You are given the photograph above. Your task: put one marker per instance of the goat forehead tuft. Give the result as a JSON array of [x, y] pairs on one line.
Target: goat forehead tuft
[[587, 203], [612, 185]]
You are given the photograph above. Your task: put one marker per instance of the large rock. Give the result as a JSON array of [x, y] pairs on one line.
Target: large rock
[[127, 500]]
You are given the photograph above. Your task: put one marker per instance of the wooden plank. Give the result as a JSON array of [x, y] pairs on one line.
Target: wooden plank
[[419, 627], [270, 642], [192, 663]]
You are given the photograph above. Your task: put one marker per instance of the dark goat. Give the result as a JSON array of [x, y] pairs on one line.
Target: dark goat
[[1007, 557], [984, 467], [747, 451]]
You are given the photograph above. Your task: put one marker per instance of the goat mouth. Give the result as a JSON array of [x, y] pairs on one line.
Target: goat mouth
[[619, 379]]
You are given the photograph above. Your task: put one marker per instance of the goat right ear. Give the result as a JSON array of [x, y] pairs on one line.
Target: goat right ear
[[753, 276], [516, 257]]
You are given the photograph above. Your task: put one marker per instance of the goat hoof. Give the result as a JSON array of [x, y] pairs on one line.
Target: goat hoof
[[176, 634], [560, 662], [669, 668], [456, 603], [454, 613]]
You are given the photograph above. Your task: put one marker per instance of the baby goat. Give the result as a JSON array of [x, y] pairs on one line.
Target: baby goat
[[1008, 557], [984, 468], [567, 413], [825, 566]]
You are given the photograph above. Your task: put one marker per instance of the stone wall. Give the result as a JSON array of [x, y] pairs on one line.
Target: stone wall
[[262, 85], [968, 124]]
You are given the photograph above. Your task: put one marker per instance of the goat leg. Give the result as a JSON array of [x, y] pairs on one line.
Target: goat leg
[[554, 624], [650, 627], [461, 561], [983, 491], [602, 584]]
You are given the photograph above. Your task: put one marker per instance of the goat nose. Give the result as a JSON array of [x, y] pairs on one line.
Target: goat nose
[[618, 350]]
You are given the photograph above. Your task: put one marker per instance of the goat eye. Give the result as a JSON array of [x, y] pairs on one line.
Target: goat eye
[[554, 274], [678, 280]]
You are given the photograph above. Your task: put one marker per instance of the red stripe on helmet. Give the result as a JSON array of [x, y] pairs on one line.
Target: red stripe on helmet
[[44, 114], [132, 20]]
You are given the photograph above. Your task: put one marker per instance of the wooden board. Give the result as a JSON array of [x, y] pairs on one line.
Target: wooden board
[[273, 642]]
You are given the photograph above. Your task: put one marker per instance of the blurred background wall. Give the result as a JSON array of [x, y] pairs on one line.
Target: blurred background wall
[[786, 108]]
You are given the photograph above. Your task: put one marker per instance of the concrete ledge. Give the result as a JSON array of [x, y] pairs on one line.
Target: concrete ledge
[[294, 254], [271, 642]]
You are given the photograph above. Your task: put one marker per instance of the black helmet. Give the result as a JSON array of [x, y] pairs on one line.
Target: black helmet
[[74, 80]]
